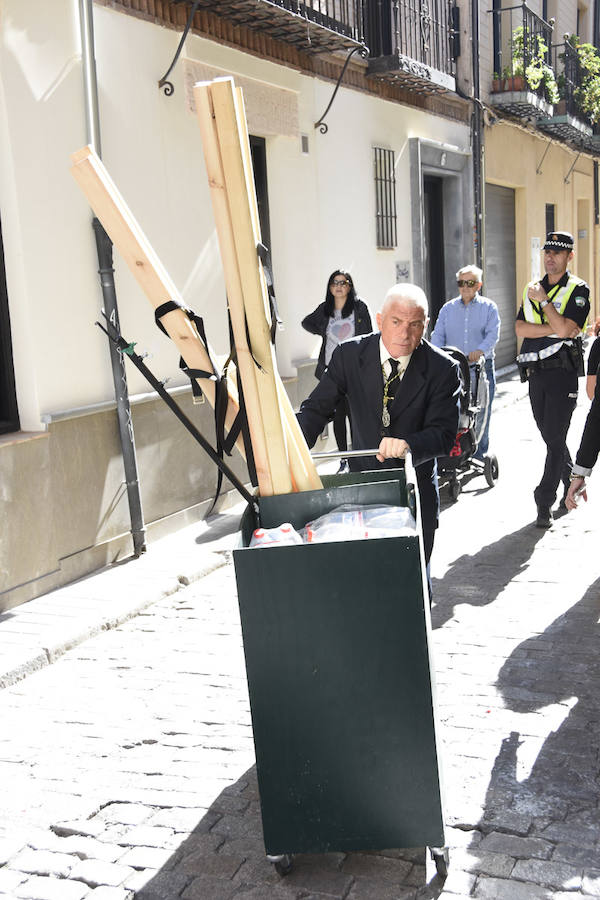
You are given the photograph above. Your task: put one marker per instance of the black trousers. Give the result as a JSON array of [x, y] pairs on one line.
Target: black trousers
[[553, 397], [340, 415]]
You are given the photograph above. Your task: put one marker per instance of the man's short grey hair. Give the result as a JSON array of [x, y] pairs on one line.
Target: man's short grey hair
[[477, 272], [411, 292]]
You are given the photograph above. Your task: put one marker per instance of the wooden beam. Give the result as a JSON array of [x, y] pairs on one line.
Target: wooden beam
[[131, 242], [230, 128], [247, 366], [304, 473]]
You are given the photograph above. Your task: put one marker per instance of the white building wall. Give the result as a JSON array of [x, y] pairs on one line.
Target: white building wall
[[322, 204]]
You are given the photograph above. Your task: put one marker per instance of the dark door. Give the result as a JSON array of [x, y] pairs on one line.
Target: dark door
[[9, 414], [258, 149], [433, 229], [499, 271]]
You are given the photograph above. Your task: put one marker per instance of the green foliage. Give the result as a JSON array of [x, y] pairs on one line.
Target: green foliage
[[538, 73], [587, 94]]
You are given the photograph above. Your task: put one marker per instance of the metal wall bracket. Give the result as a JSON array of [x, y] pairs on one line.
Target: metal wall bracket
[[164, 82], [364, 52], [566, 178], [538, 170]]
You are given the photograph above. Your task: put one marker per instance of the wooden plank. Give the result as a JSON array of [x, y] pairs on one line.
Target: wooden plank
[[304, 473], [131, 242], [220, 204], [240, 191]]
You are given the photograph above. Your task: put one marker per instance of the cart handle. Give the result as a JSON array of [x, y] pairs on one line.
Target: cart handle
[[411, 475]]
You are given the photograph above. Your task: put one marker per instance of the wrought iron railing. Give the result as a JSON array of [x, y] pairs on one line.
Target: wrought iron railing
[[565, 60], [343, 16], [422, 30], [522, 49]]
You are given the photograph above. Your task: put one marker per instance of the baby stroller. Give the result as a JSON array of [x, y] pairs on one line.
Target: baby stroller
[[474, 402]]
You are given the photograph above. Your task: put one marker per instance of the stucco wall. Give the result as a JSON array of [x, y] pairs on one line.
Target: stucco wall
[[537, 183], [322, 204]]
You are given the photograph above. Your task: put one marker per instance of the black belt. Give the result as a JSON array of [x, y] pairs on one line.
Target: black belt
[[558, 360]]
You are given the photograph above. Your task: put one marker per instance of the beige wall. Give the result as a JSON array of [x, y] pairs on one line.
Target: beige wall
[[63, 492], [513, 158]]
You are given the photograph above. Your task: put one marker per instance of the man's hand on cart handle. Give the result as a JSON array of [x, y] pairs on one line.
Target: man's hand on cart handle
[[392, 448]]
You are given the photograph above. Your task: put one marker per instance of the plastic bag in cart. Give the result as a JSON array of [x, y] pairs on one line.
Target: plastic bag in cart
[[352, 523]]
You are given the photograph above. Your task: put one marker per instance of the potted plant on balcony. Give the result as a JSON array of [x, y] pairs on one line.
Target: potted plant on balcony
[[516, 82], [538, 73], [587, 93], [497, 83]]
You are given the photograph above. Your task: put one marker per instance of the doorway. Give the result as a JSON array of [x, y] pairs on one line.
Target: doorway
[[258, 150], [433, 233]]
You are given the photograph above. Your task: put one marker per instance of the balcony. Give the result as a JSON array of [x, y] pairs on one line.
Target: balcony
[[568, 122], [524, 82], [314, 26], [413, 43]]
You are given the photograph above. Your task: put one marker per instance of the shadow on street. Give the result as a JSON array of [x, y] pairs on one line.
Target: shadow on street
[[544, 782], [227, 843], [477, 579]]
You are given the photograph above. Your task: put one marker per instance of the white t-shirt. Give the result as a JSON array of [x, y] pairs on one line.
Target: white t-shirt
[[338, 330]]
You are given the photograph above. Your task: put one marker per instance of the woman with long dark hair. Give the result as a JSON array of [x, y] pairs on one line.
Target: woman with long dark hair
[[341, 316]]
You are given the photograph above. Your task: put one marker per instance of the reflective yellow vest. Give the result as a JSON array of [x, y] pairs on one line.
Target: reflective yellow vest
[[558, 296]]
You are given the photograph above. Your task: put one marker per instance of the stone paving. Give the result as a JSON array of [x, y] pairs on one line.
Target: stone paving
[[127, 765]]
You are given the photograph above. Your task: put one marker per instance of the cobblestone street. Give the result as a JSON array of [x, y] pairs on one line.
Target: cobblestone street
[[127, 764]]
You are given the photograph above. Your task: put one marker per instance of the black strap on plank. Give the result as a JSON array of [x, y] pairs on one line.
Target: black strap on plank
[[192, 374], [241, 421], [129, 350], [265, 258], [225, 443]]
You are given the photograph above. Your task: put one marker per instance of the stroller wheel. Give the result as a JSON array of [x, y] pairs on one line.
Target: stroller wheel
[[491, 470], [455, 488]]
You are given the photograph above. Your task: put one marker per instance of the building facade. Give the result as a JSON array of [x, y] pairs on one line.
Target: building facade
[[541, 144], [396, 182]]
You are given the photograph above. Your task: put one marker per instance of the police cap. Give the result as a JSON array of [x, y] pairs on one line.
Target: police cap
[[559, 240]]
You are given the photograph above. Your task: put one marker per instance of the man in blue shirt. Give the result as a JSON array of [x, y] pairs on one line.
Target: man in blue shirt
[[471, 323]]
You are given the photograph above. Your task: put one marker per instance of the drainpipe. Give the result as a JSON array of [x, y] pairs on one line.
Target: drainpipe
[[107, 283], [477, 131]]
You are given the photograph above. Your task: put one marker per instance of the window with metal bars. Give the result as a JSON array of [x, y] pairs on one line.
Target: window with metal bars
[[385, 198]]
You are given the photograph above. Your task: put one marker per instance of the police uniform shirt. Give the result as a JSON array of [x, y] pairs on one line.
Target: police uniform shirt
[[577, 309]]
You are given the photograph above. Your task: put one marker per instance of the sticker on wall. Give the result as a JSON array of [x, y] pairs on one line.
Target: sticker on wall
[[402, 271], [536, 271]]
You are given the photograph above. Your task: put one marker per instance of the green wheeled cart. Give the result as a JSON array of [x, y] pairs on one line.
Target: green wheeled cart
[[337, 646]]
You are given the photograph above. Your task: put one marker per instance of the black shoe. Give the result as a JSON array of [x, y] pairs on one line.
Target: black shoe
[[544, 517]]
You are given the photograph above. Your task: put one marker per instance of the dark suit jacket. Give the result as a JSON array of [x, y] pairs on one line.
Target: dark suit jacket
[[424, 411], [590, 439]]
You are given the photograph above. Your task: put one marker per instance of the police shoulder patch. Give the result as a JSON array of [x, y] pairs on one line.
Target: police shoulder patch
[[580, 301]]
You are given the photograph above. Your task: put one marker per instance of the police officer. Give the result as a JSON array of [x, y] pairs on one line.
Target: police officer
[[550, 321]]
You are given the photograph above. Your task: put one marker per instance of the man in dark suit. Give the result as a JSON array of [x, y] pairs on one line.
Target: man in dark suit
[[402, 394], [587, 453]]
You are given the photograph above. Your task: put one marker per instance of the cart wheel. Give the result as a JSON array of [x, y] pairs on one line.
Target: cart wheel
[[491, 470], [441, 858], [455, 489], [283, 863]]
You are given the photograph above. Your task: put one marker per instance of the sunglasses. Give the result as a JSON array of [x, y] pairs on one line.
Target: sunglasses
[[470, 283], [339, 283]]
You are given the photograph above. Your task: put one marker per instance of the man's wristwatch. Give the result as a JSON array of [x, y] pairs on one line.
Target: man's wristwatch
[[573, 476], [544, 303]]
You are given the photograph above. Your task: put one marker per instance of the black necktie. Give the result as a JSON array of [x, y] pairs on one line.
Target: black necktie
[[389, 390], [391, 381]]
